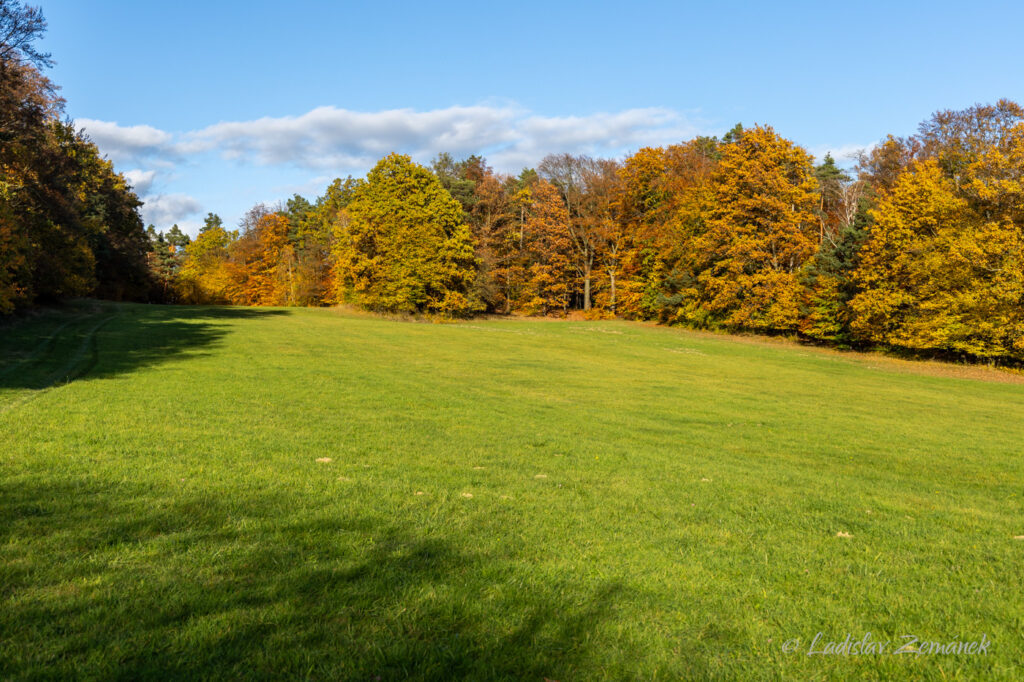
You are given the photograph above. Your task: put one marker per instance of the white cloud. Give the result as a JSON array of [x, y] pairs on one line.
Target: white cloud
[[601, 134], [328, 137], [126, 143], [339, 140], [140, 180], [164, 209]]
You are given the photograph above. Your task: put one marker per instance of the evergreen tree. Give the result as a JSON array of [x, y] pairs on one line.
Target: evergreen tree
[[211, 222]]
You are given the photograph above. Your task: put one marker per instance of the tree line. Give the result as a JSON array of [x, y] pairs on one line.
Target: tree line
[[69, 224], [919, 247]]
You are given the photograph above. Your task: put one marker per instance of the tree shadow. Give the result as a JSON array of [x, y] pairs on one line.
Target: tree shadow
[[100, 339], [121, 581]]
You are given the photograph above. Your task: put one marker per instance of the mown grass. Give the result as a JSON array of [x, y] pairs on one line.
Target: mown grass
[[504, 500]]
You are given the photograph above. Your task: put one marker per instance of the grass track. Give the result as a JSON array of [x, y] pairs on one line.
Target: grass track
[[599, 501]]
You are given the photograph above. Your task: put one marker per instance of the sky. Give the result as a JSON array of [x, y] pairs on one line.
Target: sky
[[222, 104]]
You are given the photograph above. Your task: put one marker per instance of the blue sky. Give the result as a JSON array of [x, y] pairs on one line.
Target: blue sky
[[217, 105]]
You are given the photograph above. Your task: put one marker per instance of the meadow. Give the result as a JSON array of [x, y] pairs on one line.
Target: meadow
[[222, 492]]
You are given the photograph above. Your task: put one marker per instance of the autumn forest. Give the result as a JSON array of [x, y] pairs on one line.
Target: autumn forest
[[919, 246]]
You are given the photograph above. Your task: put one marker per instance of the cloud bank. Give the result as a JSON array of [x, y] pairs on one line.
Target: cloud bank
[[166, 209], [127, 143], [329, 138]]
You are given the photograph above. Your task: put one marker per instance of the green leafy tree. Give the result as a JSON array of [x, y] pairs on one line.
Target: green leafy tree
[[459, 178], [831, 181], [211, 222], [403, 245], [829, 283], [734, 134], [164, 267]]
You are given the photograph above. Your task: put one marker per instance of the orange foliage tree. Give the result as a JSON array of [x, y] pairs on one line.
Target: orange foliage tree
[[761, 231]]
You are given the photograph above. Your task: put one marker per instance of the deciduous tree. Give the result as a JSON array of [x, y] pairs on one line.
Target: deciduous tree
[[404, 246], [761, 232]]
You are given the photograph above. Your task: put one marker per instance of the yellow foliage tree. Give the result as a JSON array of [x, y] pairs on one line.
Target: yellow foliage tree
[[205, 278], [403, 245], [937, 273], [761, 231]]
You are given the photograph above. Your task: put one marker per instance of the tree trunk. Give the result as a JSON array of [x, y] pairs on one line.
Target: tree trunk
[[611, 281], [587, 263]]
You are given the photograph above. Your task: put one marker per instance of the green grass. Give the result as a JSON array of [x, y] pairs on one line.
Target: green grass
[[646, 503]]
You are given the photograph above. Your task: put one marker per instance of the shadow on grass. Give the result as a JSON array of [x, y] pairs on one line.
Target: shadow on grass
[[131, 582], [99, 339]]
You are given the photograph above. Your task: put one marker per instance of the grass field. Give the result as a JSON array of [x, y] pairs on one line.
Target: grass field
[[504, 499]]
